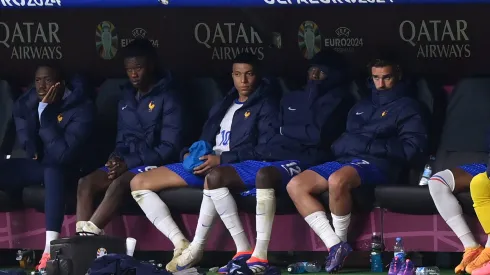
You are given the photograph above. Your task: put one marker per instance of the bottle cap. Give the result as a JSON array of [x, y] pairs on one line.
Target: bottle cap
[[398, 239]]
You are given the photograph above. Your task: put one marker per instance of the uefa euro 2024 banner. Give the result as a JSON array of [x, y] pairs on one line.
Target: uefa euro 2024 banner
[[213, 3]]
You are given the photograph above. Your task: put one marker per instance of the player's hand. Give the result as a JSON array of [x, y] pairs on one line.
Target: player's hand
[[210, 161], [117, 170], [52, 93], [186, 155], [112, 162]]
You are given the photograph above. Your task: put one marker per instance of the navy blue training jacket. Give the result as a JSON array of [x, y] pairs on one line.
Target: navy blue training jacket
[[252, 125], [61, 136], [149, 129], [310, 121], [387, 130]]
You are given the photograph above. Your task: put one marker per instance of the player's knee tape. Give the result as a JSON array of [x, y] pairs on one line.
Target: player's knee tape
[[480, 193], [441, 181]]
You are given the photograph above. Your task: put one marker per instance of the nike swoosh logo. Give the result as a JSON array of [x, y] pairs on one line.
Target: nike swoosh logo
[[359, 113], [124, 107], [203, 225], [291, 109]]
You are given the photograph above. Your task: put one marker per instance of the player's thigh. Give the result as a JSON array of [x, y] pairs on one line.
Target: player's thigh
[[464, 174], [94, 182], [160, 178], [309, 181]]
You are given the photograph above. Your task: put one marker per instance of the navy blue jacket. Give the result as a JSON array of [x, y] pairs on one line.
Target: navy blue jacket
[[387, 130], [61, 136], [310, 121], [252, 125], [149, 129]]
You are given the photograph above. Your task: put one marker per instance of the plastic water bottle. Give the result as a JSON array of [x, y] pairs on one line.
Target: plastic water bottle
[[376, 250], [304, 267], [431, 270], [424, 180], [399, 250]]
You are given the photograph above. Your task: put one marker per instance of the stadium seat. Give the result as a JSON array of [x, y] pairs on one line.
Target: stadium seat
[[463, 141]]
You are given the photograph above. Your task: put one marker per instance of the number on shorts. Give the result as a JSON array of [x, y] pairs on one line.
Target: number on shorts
[[292, 168]]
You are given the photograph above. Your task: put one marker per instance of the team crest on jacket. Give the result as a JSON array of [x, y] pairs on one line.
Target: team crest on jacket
[[247, 114], [60, 118], [383, 114], [151, 106]]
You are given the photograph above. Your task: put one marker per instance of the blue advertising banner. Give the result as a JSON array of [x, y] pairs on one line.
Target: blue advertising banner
[[212, 3]]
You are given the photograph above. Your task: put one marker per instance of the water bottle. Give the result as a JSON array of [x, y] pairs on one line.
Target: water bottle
[[376, 250], [399, 251], [313, 267], [431, 270], [304, 267], [297, 268], [424, 180]]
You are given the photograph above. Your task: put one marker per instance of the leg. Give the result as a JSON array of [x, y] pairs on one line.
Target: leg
[[218, 199], [54, 203], [302, 190], [442, 187], [480, 193], [144, 186], [341, 184], [114, 196], [88, 187]]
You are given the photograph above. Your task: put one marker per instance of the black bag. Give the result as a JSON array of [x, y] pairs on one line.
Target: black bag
[[73, 256]]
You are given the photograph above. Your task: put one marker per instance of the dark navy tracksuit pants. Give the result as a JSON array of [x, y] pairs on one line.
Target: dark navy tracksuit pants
[[19, 173]]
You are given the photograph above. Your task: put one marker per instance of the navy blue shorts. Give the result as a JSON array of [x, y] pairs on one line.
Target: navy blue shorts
[[474, 168], [369, 173], [135, 170], [189, 178]]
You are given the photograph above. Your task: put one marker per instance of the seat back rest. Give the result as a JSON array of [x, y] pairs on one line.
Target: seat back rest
[[6, 107], [464, 135], [354, 90], [205, 92], [283, 85], [106, 101]]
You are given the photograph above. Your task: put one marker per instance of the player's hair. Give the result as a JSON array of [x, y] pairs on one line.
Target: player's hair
[[385, 62], [53, 66], [140, 47], [247, 58]]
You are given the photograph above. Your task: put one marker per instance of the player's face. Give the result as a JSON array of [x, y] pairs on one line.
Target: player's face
[[315, 73], [384, 78], [45, 78], [244, 78], [137, 69]]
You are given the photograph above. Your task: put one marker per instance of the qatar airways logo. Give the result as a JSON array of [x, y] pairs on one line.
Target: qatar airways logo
[[299, 2]]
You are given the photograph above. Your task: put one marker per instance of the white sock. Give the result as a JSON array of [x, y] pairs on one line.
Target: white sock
[[265, 211], [488, 242], [50, 236], [226, 207], [159, 214], [205, 221], [341, 225], [318, 221], [79, 226], [441, 187]]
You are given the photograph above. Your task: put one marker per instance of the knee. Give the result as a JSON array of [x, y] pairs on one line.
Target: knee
[[139, 182], [480, 183], [267, 178], [441, 182], [85, 186], [338, 183], [215, 179], [297, 187]]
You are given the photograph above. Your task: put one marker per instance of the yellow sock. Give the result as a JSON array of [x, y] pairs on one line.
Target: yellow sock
[[480, 193]]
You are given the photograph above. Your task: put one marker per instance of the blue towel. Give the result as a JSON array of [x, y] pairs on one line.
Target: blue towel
[[198, 149]]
